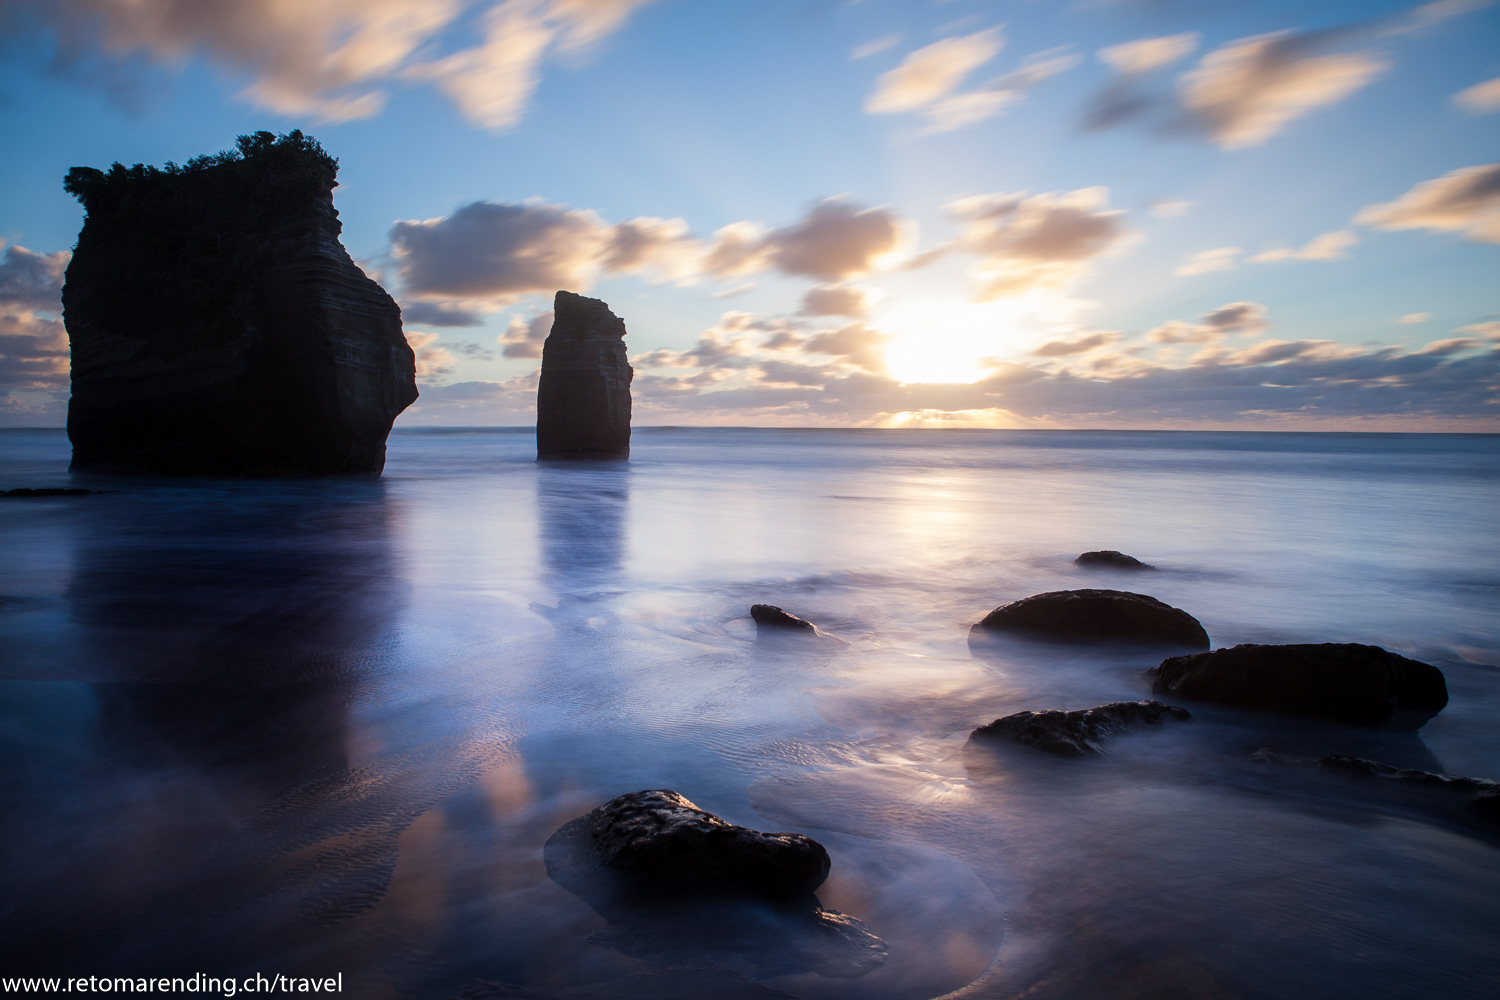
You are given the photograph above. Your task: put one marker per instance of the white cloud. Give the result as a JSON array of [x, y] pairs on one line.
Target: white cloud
[[1410, 318], [1465, 200], [836, 240], [432, 361], [335, 59], [1035, 241], [929, 74], [1147, 54], [1206, 261], [1326, 246], [1244, 92]]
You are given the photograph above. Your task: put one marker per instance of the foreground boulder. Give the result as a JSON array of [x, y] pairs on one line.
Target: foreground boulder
[[662, 842], [1089, 615], [1342, 681], [1478, 796], [680, 885], [771, 617], [1078, 733], [583, 399], [1110, 559], [219, 328]]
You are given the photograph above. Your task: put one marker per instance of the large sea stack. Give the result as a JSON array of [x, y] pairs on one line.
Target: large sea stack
[[583, 401], [218, 327]]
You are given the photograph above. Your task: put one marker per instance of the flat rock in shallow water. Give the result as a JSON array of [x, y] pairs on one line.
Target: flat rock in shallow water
[[1110, 559], [1342, 681], [1078, 733], [1092, 615]]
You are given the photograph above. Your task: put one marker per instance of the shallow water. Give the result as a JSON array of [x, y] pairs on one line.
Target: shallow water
[[326, 727]]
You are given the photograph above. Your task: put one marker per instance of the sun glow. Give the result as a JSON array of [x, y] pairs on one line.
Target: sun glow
[[947, 342]]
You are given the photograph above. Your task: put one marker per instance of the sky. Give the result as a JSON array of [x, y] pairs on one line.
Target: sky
[[1155, 214]]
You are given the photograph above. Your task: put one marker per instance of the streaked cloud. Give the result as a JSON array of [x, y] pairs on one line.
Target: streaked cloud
[[1326, 246], [1411, 318], [1232, 319], [1482, 98], [335, 60], [836, 300], [1242, 93], [1145, 55], [930, 74], [875, 46], [1079, 345], [1463, 201], [1208, 261], [1028, 241], [1169, 209], [432, 361]]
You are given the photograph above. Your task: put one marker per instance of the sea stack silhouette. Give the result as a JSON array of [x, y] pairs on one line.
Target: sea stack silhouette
[[218, 327], [583, 401]]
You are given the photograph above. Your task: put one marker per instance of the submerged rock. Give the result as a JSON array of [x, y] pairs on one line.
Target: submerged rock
[[680, 885], [1078, 733], [583, 399], [1086, 615], [218, 327], [1110, 559], [1342, 681], [46, 491], [1480, 796], [772, 617]]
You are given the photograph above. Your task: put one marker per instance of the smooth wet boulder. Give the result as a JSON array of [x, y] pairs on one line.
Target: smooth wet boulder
[[679, 885], [1110, 559], [1094, 615], [218, 327], [769, 616], [661, 842], [1342, 681], [1079, 733], [583, 398]]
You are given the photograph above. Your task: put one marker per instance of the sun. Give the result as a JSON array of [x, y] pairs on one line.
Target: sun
[[947, 342]]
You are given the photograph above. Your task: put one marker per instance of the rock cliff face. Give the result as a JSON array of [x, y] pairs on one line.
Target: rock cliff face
[[218, 327], [583, 401]]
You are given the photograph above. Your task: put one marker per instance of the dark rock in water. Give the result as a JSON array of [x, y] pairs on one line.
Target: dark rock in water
[[219, 328], [1078, 733], [1481, 797], [583, 400], [1085, 615], [46, 491], [679, 885], [664, 843], [1111, 559], [1342, 681], [770, 616]]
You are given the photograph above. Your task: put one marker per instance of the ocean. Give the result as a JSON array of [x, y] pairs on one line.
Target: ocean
[[323, 728]]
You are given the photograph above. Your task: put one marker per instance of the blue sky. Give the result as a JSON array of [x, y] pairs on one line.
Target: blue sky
[[1100, 213]]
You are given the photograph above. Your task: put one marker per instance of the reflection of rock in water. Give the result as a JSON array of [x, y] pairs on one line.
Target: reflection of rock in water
[[582, 509], [231, 631]]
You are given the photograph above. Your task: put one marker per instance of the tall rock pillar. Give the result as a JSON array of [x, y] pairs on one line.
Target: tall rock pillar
[[219, 328], [583, 402]]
